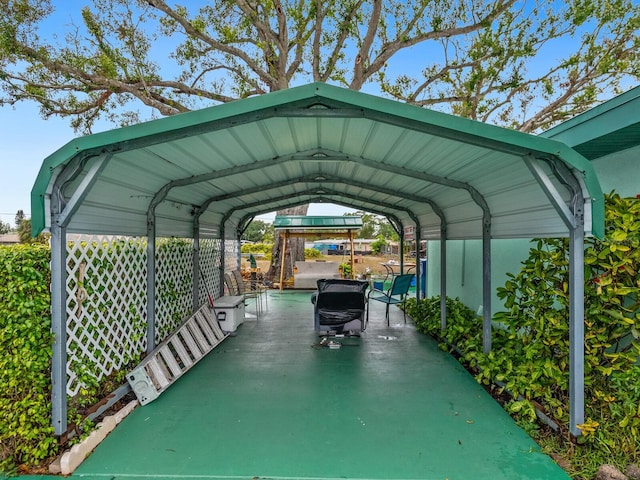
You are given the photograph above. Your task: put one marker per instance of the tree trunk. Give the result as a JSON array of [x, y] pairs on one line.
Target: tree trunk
[[295, 248]]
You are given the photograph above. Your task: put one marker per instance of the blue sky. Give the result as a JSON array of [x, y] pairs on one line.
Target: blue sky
[[26, 140]]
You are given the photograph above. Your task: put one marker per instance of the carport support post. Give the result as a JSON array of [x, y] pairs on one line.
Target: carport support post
[[151, 283], [486, 284], [418, 270], [196, 264], [59, 327], [223, 256], [576, 327], [443, 278], [573, 217]]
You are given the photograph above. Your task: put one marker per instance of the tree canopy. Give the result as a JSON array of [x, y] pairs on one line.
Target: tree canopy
[[525, 65], [374, 226], [256, 231]]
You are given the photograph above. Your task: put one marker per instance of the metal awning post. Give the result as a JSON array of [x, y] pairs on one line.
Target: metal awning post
[[62, 211], [486, 284], [418, 268], [351, 256], [401, 250], [573, 216], [443, 278], [195, 271], [223, 254], [576, 330], [151, 282], [59, 327]]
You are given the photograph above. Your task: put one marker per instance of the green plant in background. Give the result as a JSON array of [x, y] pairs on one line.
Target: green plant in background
[[312, 253], [26, 434], [378, 244], [256, 248], [345, 268], [530, 355]]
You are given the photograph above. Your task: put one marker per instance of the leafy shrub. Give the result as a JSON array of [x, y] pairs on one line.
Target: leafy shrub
[[26, 434], [530, 354], [263, 248], [378, 245], [312, 253], [464, 327]]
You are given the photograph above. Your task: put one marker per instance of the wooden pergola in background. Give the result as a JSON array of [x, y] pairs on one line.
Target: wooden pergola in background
[[317, 227]]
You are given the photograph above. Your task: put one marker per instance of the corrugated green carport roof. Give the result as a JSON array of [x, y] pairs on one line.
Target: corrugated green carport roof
[[608, 128], [297, 222], [206, 173], [315, 143]]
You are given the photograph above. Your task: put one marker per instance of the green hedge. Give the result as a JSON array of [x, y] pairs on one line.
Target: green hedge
[[26, 434]]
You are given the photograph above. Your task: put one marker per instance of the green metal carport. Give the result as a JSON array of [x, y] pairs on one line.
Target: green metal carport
[[207, 173]]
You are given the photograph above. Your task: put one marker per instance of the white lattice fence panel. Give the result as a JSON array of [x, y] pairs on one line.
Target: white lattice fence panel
[[231, 255], [174, 284], [106, 306], [210, 267]]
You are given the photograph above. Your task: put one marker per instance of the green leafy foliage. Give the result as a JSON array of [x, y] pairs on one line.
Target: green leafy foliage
[[312, 253], [345, 268], [257, 230], [378, 245], [26, 434], [530, 355], [261, 248], [24, 233]]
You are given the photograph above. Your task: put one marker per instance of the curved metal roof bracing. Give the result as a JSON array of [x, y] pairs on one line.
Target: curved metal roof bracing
[[311, 144]]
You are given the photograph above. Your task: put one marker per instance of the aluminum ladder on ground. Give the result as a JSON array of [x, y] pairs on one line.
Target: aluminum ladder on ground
[[191, 341]]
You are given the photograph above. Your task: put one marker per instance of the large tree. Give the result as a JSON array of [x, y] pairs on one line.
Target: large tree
[[522, 64]]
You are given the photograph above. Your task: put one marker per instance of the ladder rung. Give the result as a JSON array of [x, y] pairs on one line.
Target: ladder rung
[[185, 333], [170, 361], [183, 354], [203, 324], [198, 336], [158, 373]]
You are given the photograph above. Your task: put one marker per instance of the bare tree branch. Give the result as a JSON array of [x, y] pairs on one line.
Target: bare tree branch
[[469, 57]]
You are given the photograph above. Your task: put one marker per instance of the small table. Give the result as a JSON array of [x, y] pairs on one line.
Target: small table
[[389, 267]]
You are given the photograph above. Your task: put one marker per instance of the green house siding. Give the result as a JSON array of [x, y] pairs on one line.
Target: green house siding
[[464, 268], [609, 136]]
